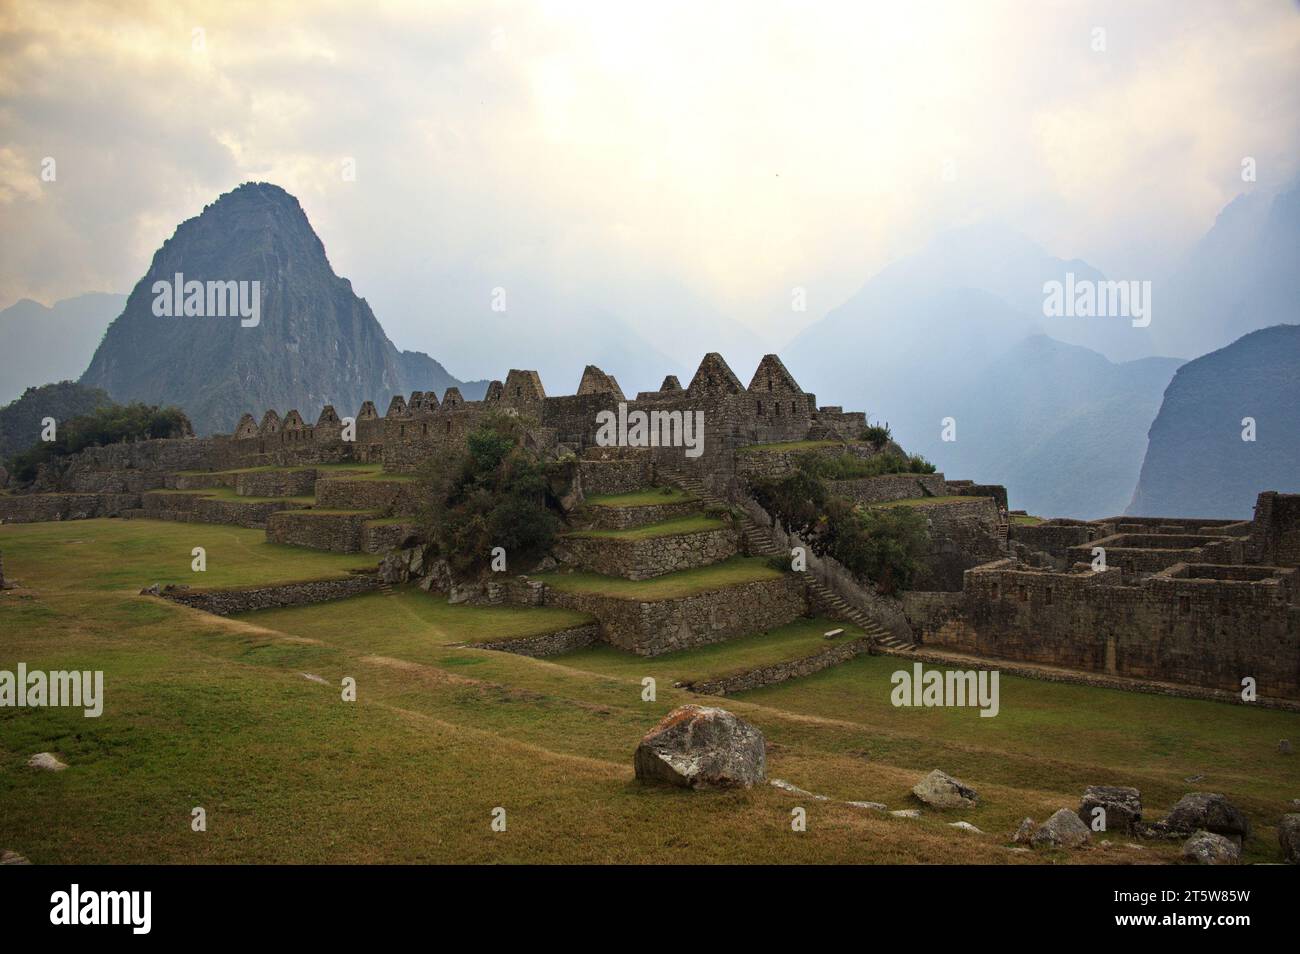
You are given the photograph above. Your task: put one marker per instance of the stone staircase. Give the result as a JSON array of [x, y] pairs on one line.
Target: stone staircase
[[1004, 529], [758, 541]]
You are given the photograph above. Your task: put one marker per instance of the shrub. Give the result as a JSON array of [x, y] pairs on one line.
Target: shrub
[[848, 466], [106, 425], [877, 435], [884, 546], [494, 492]]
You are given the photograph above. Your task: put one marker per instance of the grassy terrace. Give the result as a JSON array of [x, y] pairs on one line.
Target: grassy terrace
[[228, 493], [669, 586], [266, 468], [788, 446], [379, 475], [217, 712], [666, 528], [412, 624], [1022, 520], [926, 501], [801, 638], [640, 498], [130, 554]]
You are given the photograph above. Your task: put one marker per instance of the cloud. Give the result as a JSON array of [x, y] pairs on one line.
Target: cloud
[[735, 149]]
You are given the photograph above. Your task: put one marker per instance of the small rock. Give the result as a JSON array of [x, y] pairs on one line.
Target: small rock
[[547, 564], [1288, 836], [1024, 832], [940, 790], [1209, 811], [906, 813], [1284, 746], [153, 590], [965, 826], [1019, 850], [1129, 844], [1207, 848], [1123, 806], [875, 806], [44, 760], [1062, 830], [702, 747], [1193, 778], [12, 858], [832, 633], [785, 786], [313, 678]]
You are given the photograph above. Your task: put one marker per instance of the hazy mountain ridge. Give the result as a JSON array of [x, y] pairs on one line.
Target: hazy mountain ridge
[[1197, 463], [40, 344], [316, 343]]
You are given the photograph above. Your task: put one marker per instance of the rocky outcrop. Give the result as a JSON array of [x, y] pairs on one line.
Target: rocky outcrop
[[1288, 836], [1062, 830], [702, 747], [1122, 805], [940, 790], [1210, 812], [1207, 848]]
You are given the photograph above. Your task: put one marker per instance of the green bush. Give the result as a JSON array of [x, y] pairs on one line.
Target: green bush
[[877, 435], [848, 466], [106, 425], [886, 547], [493, 493]]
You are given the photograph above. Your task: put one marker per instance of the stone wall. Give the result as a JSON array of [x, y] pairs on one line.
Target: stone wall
[[547, 644], [616, 476], [625, 518], [782, 671], [962, 535], [1275, 532], [195, 508], [886, 487], [339, 532], [231, 601], [643, 559], [387, 497], [276, 483], [1056, 537], [652, 628], [382, 537], [1171, 626], [35, 508]]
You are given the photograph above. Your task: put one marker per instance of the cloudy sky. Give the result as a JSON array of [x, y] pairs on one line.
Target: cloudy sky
[[633, 159]]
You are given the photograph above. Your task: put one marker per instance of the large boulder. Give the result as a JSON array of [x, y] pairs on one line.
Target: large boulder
[[1207, 848], [1210, 812], [1288, 836], [1123, 806], [702, 747], [940, 790], [1063, 830]]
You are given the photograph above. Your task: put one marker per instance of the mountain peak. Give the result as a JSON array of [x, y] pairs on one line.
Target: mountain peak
[[313, 342]]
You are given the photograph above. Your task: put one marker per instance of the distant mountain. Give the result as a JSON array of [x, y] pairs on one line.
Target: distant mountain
[[315, 342], [40, 344], [1244, 274], [1197, 464], [957, 330], [1061, 426], [20, 420]]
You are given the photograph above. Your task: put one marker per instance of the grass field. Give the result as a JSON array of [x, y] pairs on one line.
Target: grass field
[[228, 493], [670, 585], [220, 713], [640, 498], [666, 528], [924, 502]]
